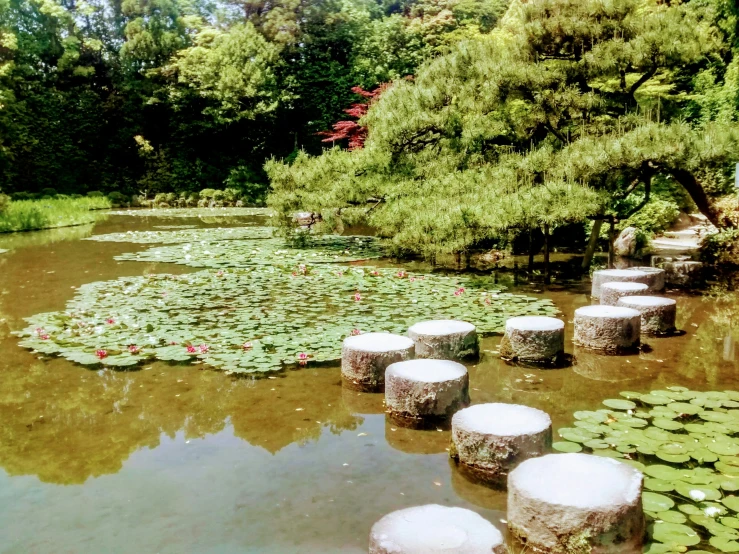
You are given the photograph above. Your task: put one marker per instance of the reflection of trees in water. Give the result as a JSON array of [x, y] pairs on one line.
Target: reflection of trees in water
[[12, 241], [65, 425]]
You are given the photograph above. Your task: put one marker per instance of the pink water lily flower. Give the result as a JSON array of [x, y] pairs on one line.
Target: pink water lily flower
[[172, 343], [355, 332], [204, 348], [44, 336], [219, 274], [101, 353], [110, 321], [412, 279], [191, 349], [401, 274], [459, 291], [375, 273], [247, 346], [340, 273], [357, 297], [302, 356], [133, 349]]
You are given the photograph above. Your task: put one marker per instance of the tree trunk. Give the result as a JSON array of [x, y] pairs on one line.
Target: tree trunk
[[531, 250], [699, 196], [547, 277], [592, 243], [611, 239]]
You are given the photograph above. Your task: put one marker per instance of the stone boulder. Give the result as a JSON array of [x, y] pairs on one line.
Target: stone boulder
[[626, 243]]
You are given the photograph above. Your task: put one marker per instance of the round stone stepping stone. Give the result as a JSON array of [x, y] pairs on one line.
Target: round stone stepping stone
[[610, 329], [421, 393], [490, 440], [617, 275], [611, 292], [656, 280], [433, 528], [657, 313], [364, 359], [445, 339], [576, 503], [533, 339]]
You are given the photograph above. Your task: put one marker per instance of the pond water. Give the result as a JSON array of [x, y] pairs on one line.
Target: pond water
[[179, 459]]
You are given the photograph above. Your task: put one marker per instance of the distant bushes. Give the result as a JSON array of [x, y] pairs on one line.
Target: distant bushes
[[30, 215]]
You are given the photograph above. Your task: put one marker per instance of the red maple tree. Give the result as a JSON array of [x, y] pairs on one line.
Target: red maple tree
[[350, 129]]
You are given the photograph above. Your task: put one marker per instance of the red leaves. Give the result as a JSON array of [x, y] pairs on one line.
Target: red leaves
[[350, 130]]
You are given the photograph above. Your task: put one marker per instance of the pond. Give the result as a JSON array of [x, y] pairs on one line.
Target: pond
[[181, 458]]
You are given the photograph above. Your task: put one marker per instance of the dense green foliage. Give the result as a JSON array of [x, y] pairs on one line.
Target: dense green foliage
[[161, 96], [569, 109], [30, 215]]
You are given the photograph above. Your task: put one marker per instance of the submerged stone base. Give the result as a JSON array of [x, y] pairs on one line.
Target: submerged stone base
[[421, 393], [433, 528], [576, 504], [445, 339]]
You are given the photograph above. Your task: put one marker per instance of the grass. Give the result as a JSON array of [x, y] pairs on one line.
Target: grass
[[31, 215]]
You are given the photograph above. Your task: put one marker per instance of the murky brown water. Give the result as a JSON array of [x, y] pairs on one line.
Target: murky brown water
[[174, 459]]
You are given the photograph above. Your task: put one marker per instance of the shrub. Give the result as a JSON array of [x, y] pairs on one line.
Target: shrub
[[722, 248], [655, 217], [249, 185], [4, 202], [95, 194], [48, 192], [207, 194], [17, 196], [118, 198]]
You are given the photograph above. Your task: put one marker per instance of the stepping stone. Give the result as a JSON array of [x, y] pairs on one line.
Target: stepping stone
[[533, 339], [567, 503], [686, 273], [490, 440], [364, 359], [617, 275], [432, 528], [656, 281], [611, 292], [610, 329], [657, 313], [424, 393], [445, 339]]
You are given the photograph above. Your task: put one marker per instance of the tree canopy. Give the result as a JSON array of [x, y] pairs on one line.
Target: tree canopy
[[569, 109]]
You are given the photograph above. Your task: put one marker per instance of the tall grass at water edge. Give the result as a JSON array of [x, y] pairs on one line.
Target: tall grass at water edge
[[31, 215]]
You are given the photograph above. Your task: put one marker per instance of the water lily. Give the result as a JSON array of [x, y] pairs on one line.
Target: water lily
[[488, 300], [110, 321], [712, 511], [340, 273], [191, 349], [173, 343], [412, 279], [302, 356], [697, 495], [204, 348], [375, 273], [459, 291], [101, 353], [219, 274], [44, 336], [355, 332], [133, 349], [401, 274], [357, 297], [247, 346]]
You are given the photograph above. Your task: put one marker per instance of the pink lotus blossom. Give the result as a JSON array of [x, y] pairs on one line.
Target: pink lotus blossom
[[247, 346], [355, 332], [302, 356], [101, 353], [191, 349], [204, 348], [133, 349], [110, 321], [357, 297]]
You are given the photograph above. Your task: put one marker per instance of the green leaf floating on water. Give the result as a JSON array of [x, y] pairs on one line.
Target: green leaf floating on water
[[261, 318], [686, 443], [198, 235], [566, 446]]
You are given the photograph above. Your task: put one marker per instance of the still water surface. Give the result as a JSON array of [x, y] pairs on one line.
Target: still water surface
[[175, 459]]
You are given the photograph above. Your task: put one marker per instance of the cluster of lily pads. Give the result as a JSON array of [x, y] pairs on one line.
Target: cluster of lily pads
[[198, 235], [260, 318], [221, 254], [686, 444], [194, 212]]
